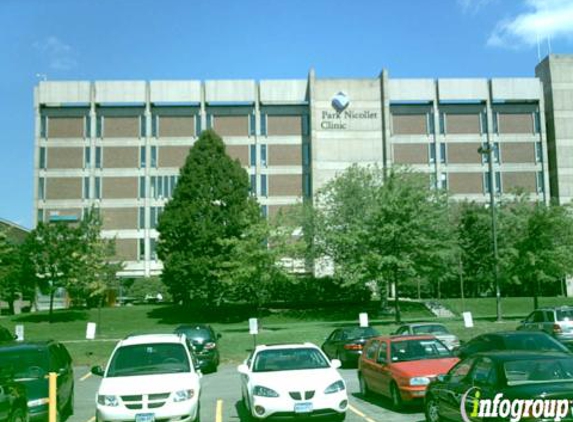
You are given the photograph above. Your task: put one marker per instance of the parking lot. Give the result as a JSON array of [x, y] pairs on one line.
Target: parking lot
[[220, 400]]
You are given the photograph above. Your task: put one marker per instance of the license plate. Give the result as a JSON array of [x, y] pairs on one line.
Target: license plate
[[145, 417], [303, 408]]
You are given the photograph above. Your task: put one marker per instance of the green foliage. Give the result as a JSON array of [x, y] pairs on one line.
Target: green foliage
[[211, 206], [386, 228], [14, 281], [150, 286]]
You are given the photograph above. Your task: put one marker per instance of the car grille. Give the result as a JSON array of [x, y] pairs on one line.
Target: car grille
[[296, 395], [145, 401]]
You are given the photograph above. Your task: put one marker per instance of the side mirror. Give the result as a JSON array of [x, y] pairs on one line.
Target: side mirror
[[335, 363], [443, 378], [199, 373], [97, 370], [243, 369]]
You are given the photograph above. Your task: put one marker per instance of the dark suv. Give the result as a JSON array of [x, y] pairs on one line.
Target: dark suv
[[30, 362], [202, 341], [12, 398]]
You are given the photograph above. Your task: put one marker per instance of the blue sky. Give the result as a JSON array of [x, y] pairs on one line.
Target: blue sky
[[258, 39]]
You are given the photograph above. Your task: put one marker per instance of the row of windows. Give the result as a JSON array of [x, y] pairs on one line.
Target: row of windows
[[263, 189], [497, 156], [442, 182], [186, 126], [154, 213]]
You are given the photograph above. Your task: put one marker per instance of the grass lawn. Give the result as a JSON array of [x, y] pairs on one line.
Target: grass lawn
[[512, 307], [275, 326]]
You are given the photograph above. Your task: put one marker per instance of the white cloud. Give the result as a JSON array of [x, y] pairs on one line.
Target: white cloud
[[59, 54], [543, 19]]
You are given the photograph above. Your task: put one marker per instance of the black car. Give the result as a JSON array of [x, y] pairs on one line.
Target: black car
[[30, 362], [13, 401], [345, 344], [202, 341], [516, 375], [6, 335], [510, 340]]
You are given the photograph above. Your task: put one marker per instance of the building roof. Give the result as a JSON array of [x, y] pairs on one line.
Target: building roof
[[15, 232]]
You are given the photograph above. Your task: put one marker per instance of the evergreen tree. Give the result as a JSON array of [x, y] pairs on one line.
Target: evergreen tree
[[211, 203]]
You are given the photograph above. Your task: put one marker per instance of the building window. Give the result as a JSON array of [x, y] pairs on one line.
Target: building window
[[43, 126], [443, 182], [155, 212], [142, 157], [253, 155], [209, 121], [537, 122], [430, 123], [99, 126], [98, 158], [252, 125], [253, 184], [483, 122], [141, 218], [87, 157], [97, 193], [305, 125], [263, 124], [142, 126], [264, 191], [162, 186], [41, 188], [497, 182], [495, 121], [40, 215], [538, 152], [154, 125], [141, 187], [432, 153], [141, 250], [88, 127], [496, 154], [153, 156], [153, 249], [540, 182], [197, 124], [264, 155], [443, 157], [306, 154], [265, 211], [42, 158], [86, 188], [442, 123]]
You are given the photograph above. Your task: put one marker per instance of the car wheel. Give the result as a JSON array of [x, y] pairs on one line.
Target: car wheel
[[397, 403], [18, 415], [341, 417], [431, 410], [364, 390]]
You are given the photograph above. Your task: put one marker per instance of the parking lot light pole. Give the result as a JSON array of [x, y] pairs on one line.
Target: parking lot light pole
[[487, 151]]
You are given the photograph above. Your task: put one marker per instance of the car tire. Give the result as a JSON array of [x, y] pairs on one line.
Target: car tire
[[364, 390], [18, 415], [341, 417], [397, 403], [431, 410]]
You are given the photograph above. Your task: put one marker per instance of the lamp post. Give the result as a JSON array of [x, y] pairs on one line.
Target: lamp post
[[487, 150]]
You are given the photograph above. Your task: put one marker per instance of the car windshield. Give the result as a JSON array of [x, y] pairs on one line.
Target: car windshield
[[289, 360], [533, 341], [195, 333], [534, 371], [356, 333], [405, 350], [564, 315], [145, 359], [430, 329], [25, 363]]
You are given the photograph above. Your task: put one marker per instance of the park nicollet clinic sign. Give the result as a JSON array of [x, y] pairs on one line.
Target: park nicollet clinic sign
[[343, 118]]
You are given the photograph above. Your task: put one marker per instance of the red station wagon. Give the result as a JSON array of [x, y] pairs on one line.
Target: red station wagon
[[401, 367]]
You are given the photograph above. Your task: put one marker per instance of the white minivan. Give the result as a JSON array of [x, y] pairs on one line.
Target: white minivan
[[148, 378]]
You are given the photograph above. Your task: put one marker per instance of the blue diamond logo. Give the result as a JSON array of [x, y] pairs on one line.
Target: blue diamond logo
[[340, 101]]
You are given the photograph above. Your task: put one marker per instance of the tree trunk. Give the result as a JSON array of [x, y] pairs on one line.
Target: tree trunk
[[535, 294], [396, 298], [50, 315], [98, 326]]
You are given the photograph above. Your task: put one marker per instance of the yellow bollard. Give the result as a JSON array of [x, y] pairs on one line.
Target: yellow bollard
[[52, 396]]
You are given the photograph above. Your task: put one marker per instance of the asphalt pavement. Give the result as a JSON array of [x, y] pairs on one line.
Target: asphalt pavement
[[221, 399]]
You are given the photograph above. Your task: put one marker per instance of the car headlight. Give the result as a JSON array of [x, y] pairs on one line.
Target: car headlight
[[106, 400], [419, 381], [335, 387], [38, 402], [183, 395], [259, 390]]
